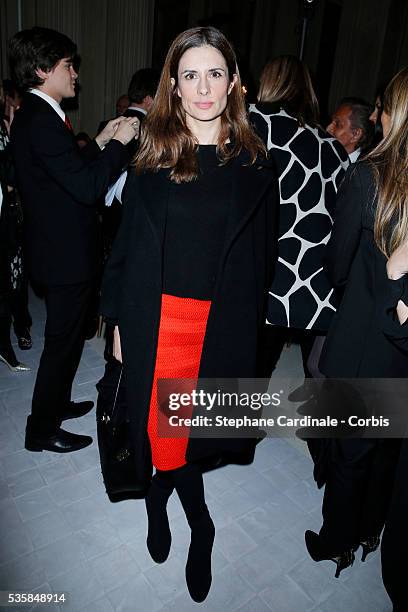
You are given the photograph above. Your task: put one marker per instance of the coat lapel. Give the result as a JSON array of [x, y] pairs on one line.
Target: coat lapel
[[248, 187], [155, 195]]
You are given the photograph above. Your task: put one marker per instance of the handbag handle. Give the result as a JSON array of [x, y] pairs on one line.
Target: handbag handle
[[117, 391], [106, 418]]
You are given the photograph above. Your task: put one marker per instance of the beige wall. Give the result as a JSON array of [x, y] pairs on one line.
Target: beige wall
[[372, 43], [114, 39], [358, 54]]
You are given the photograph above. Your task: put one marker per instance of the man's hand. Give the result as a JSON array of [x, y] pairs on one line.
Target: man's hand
[[397, 265], [108, 132], [127, 130], [121, 128], [117, 351]]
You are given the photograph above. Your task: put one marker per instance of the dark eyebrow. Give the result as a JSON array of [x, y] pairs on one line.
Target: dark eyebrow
[[209, 70]]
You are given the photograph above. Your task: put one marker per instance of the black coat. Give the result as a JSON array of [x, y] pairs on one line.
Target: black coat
[[132, 288], [356, 345], [394, 542], [59, 185]]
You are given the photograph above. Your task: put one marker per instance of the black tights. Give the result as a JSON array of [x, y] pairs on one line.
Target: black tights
[[188, 482]]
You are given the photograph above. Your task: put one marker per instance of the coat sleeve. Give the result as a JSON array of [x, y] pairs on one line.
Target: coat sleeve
[[345, 236], [111, 290], [56, 151], [393, 330]]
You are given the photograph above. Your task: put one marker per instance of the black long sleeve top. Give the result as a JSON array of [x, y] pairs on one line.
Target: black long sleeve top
[[195, 230]]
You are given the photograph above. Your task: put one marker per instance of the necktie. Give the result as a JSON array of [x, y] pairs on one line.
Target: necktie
[[68, 123]]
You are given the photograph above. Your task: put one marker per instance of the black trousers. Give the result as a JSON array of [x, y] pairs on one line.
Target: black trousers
[[67, 314], [394, 544], [272, 342], [358, 490]]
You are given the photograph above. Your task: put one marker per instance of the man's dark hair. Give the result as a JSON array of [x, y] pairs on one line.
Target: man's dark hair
[[360, 119], [37, 48], [143, 83]]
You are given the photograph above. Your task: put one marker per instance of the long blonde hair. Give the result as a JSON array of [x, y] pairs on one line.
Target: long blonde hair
[[166, 141], [390, 163]]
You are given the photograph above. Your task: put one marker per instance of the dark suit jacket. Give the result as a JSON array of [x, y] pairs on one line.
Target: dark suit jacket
[[356, 345], [59, 185], [132, 288]]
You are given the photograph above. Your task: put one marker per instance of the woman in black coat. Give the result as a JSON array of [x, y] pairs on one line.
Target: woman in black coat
[[394, 542], [196, 243], [371, 221]]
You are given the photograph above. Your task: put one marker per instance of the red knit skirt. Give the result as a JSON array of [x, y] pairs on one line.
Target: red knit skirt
[[183, 322]]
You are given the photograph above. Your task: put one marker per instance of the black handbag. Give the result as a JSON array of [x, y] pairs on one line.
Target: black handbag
[[123, 477]]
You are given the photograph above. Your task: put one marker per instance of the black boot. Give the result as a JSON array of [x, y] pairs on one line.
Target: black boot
[[188, 482], [158, 534], [198, 567]]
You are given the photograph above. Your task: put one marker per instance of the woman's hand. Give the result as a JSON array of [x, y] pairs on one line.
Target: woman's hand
[[397, 264], [117, 351], [397, 267], [402, 312]]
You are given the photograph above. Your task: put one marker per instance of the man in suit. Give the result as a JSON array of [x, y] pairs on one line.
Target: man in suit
[[141, 92], [59, 184], [352, 127]]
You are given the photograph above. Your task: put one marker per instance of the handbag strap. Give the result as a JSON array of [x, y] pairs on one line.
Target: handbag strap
[[117, 391]]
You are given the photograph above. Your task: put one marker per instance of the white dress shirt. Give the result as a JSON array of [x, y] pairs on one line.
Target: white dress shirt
[[354, 156], [50, 101]]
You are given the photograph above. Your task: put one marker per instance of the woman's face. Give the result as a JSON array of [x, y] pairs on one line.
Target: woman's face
[[386, 123], [377, 109], [203, 85]]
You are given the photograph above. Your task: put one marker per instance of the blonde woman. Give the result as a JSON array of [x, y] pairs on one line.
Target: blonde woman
[[371, 222], [395, 537]]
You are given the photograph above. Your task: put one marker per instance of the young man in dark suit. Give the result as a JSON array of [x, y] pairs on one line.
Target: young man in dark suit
[[59, 185]]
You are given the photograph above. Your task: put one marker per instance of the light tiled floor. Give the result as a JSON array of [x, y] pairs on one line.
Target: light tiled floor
[[60, 533]]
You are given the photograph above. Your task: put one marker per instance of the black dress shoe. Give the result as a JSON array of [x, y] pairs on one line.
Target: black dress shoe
[[75, 410], [24, 340], [60, 442]]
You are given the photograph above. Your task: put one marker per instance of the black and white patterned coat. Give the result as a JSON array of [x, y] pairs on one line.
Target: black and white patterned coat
[[310, 165]]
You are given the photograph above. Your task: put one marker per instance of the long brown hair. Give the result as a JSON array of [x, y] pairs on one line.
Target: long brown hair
[[286, 79], [166, 141], [390, 163]]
